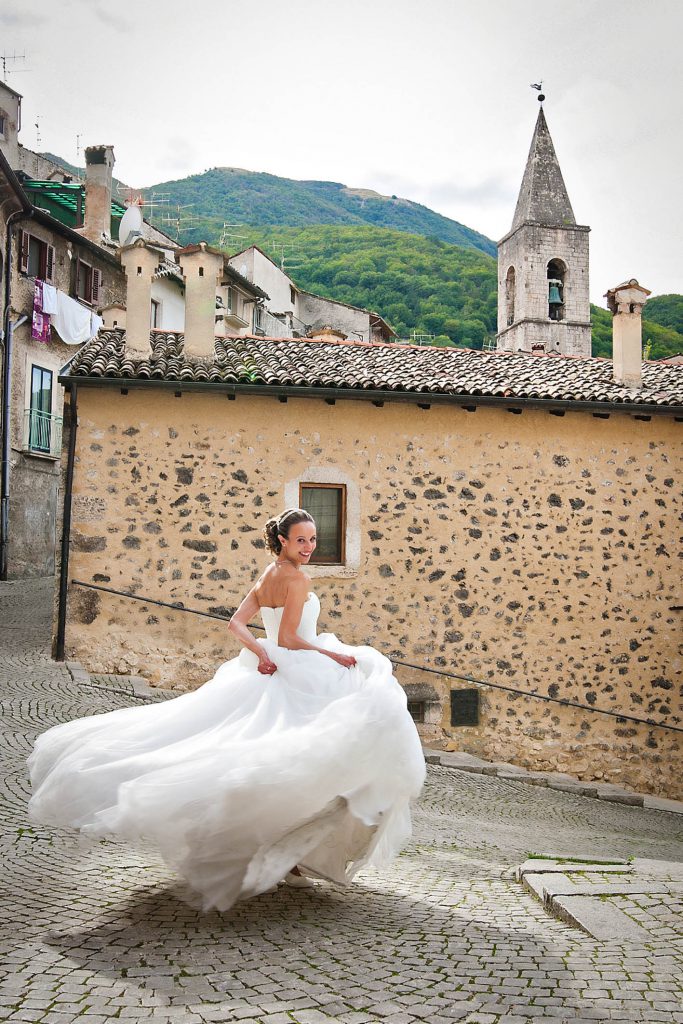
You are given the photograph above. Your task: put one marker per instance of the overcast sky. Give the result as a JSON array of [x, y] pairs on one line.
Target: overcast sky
[[428, 100]]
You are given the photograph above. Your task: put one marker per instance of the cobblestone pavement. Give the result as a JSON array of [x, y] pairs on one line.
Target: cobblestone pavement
[[96, 931]]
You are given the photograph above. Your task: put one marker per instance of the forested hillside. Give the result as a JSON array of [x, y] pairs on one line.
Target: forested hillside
[[415, 283], [420, 284], [666, 310]]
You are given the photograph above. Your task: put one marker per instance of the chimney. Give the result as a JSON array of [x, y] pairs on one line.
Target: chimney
[[202, 271], [140, 263], [114, 316], [99, 161], [626, 302]]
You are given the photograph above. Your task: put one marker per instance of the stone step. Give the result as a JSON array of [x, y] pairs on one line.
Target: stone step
[[561, 781]]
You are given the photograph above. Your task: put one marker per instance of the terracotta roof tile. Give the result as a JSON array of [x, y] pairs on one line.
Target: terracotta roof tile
[[361, 366]]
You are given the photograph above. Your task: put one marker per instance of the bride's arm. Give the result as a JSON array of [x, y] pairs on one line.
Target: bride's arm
[[288, 637], [238, 627]]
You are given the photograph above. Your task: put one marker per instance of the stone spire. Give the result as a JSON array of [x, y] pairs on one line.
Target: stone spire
[[543, 197]]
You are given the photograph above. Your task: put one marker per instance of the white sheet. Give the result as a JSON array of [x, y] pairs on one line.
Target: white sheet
[[74, 323]]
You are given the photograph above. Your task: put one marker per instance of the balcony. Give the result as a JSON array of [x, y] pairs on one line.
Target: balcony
[[42, 434], [234, 319]]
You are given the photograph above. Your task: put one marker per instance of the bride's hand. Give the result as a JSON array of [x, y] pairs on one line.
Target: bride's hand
[[265, 666], [346, 660]]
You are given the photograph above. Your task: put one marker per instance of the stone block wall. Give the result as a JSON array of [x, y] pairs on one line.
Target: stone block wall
[[529, 249], [534, 551]]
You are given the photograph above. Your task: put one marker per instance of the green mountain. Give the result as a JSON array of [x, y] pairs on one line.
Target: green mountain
[[666, 310], [235, 196]]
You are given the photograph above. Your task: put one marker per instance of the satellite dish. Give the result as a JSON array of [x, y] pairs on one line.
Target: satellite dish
[[130, 226]]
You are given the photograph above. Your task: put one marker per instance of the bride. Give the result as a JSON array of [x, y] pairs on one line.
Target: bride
[[297, 761]]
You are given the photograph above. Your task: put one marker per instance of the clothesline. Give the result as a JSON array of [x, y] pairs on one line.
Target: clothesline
[[75, 324]]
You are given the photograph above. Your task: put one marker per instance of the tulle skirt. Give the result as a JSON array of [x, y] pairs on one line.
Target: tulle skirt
[[247, 776]]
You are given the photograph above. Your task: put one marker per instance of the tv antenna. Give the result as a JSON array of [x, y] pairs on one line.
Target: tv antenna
[[418, 338], [289, 255], [37, 127], [5, 57], [78, 144], [230, 239], [156, 199], [179, 221]]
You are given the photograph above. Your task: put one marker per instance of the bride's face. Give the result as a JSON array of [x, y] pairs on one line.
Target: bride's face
[[300, 544]]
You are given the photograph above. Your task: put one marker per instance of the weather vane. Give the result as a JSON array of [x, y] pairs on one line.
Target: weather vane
[[538, 86]]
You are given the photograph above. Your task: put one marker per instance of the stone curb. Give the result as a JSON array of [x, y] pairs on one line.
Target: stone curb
[[560, 781], [583, 901]]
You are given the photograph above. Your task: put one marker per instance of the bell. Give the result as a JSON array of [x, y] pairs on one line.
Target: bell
[[554, 297]]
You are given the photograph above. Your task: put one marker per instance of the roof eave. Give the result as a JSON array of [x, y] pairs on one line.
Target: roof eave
[[412, 397]]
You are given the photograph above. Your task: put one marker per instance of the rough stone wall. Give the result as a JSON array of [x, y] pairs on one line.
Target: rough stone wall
[[529, 250], [318, 312], [555, 336], [533, 551], [34, 479]]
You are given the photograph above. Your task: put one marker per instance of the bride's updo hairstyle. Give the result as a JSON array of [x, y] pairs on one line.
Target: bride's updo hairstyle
[[279, 526]]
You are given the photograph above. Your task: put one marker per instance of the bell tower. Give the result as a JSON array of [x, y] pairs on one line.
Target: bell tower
[[543, 295]]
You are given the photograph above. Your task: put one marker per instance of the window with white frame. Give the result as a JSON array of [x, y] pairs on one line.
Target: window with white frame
[[40, 410]]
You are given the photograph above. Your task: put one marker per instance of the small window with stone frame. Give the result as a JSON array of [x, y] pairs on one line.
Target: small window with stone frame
[[416, 710], [327, 505]]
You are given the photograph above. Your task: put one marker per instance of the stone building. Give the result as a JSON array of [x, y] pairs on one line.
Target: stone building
[[543, 275], [62, 234], [38, 248], [503, 517]]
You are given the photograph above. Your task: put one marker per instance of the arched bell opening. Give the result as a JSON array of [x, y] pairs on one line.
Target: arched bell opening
[[556, 274], [510, 296]]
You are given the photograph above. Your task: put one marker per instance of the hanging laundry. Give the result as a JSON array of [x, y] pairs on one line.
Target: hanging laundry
[[49, 298], [40, 324], [72, 321], [96, 324]]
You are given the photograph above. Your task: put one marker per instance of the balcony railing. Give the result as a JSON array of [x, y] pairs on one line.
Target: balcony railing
[[42, 433], [280, 327]]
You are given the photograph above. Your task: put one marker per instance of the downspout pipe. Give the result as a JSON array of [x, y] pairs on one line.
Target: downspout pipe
[[8, 330], [60, 636]]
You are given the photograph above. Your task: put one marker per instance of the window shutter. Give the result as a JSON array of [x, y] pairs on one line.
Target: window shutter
[[50, 263], [96, 285], [23, 252]]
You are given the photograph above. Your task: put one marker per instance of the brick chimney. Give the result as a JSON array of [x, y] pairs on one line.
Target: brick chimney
[[140, 263], [202, 270], [99, 161], [626, 302]]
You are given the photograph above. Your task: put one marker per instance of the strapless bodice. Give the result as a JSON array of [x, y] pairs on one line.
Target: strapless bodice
[[307, 627]]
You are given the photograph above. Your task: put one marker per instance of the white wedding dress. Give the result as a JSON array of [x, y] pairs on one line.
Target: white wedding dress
[[249, 775]]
